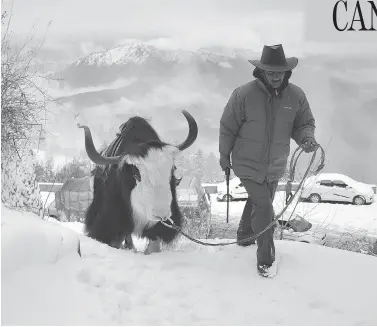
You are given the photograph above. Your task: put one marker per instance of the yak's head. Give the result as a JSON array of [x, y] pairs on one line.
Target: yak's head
[[150, 162]]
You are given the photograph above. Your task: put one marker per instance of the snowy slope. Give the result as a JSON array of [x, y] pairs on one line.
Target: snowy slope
[[194, 285], [135, 53], [27, 240], [123, 54]]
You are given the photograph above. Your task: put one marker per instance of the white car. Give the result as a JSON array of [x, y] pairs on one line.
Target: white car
[[336, 188], [238, 192]]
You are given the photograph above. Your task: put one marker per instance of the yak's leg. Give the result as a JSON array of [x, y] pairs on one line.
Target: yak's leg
[[151, 232], [117, 241], [129, 243], [156, 234], [117, 244], [154, 246], [161, 232]]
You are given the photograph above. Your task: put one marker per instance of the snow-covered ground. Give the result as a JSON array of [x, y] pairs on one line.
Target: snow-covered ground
[[28, 240], [349, 218], [187, 284]]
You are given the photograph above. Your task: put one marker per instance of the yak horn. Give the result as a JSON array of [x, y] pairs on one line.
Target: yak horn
[[193, 132], [92, 151]]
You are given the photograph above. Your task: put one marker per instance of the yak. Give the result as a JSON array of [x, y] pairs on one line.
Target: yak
[[134, 186]]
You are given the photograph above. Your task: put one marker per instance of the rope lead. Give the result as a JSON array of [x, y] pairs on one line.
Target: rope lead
[[289, 199]]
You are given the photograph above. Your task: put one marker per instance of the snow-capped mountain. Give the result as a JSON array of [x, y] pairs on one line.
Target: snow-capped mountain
[[136, 53], [140, 53], [142, 60]]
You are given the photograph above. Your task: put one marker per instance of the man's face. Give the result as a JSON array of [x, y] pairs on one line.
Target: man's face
[[274, 78]]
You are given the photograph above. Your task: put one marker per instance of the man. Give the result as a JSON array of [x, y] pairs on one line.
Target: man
[[256, 126]]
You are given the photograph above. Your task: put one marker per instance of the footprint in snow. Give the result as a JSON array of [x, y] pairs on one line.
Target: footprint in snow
[[86, 277]]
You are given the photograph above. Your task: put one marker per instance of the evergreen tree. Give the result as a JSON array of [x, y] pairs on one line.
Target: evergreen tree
[[45, 171], [77, 168], [40, 172], [198, 165], [182, 164], [212, 169], [20, 189]]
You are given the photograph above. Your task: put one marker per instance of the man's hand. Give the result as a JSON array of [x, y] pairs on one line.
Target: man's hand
[[225, 162], [309, 145]]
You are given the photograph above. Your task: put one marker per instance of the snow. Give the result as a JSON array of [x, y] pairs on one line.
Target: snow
[[140, 52], [340, 217], [186, 284], [362, 187], [26, 240], [137, 53], [75, 226], [19, 188], [332, 176]]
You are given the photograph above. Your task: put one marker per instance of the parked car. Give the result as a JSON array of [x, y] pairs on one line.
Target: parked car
[[374, 188], [238, 192], [297, 228], [336, 188]]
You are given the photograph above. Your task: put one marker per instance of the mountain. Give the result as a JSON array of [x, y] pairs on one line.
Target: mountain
[[143, 60]]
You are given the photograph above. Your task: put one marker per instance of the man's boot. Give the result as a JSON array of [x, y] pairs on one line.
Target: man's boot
[[270, 269], [245, 230]]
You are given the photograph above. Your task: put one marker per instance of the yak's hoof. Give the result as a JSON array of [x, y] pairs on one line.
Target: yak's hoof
[[153, 247], [129, 244], [116, 244], [130, 248]]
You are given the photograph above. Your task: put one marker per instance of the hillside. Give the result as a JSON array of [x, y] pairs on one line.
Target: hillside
[[199, 285]]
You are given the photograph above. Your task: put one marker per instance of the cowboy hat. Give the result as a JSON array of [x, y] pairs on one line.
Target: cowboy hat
[[273, 59]]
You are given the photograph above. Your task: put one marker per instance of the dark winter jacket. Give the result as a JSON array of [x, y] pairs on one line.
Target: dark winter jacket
[[257, 125]]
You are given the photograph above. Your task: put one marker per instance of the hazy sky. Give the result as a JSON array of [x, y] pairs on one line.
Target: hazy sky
[[96, 25], [83, 26]]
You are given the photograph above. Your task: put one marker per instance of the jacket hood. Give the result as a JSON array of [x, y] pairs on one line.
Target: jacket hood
[[257, 73]]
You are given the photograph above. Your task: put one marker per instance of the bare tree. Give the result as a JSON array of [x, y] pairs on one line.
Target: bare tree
[[24, 102], [24, 105]]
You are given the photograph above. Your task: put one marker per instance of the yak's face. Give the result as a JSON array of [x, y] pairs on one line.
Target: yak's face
[[151, 197]]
